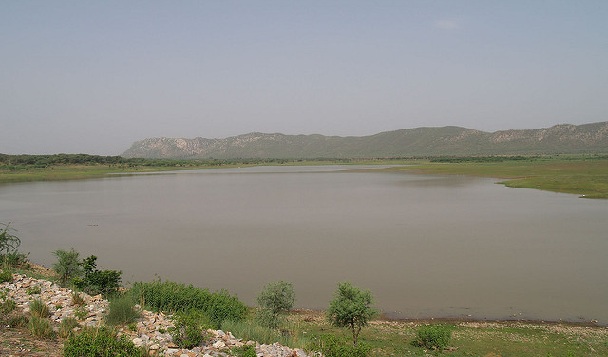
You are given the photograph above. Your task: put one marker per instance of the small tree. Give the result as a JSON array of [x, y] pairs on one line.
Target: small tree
[[97, 281], [276, 298], [68, 265], [351, 307]]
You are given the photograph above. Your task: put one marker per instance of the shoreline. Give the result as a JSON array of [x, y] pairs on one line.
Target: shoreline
[[386, 317]]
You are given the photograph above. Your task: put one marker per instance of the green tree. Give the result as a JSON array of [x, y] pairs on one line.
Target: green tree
[[68, 265], [275, 299], [351, 308]]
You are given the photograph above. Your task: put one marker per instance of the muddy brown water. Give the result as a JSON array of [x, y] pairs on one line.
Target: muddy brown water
[[426, 246]]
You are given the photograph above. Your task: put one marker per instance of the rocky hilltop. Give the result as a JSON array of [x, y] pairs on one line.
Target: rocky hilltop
[[564, 138]]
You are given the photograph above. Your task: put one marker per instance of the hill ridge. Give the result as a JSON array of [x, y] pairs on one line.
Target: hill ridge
[[422, 141]]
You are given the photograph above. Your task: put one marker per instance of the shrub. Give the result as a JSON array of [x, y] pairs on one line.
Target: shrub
[[435, 337], [275, 299], [190, 328], [9, 243], [100, 342], [14, 259], [351, 307], [40, 327], [66, 327], [121, 311], [173, 297], [244, 351], [68, 265], [6, 276], [330, 346], [39, 309], [94, 281]]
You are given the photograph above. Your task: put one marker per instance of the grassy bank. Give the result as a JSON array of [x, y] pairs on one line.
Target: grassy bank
[[489, 339], [582, 175], [585, 175]]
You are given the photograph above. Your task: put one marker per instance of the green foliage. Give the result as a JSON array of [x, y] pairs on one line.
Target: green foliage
[[330, 346], [13, 260], [66, 327], [173, 297], [268, 319], [351, 307], [40, 327], [9, 243], [276, 298], [94, 281], [68, 265], [6, 276], [190, 328], [251, 330], [100, 342], [121, 311], [39, 309], [436, 337], [244, 351]]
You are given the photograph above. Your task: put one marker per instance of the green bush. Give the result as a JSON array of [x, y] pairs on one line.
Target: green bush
[[244, 351], [190, 328], [14, 260], [100, 342], [95, 281], [6, 276], [330, 346], [39, 309], [121, 311], [435, 337], [171, 297], [40, 327]]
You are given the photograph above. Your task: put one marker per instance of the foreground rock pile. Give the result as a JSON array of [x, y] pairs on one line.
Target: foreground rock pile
[[149, 331]]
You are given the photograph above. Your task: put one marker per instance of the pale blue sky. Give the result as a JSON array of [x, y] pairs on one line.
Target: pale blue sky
[[94, 76]]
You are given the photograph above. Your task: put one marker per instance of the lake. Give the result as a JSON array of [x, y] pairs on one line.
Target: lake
[[426, 246]]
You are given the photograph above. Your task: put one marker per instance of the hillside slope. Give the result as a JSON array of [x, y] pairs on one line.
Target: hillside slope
[[564, 138]]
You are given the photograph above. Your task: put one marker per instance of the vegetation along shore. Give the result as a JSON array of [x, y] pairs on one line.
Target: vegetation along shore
[[584, 175]]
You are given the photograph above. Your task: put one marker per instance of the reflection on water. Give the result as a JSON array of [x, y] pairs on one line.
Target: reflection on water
[[424, 245]]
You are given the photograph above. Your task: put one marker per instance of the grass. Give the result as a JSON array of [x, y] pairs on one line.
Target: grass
[[121, 311], [396, 338], [582, 175]]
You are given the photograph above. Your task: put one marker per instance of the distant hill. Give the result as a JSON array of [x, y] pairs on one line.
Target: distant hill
[[564, 138]]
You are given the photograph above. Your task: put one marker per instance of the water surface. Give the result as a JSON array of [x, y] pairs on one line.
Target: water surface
[[426, 246]]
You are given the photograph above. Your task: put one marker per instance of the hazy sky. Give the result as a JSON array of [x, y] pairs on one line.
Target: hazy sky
[[94, 76]]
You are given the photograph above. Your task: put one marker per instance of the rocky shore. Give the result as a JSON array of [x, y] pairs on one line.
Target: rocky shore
[[149, 331]]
